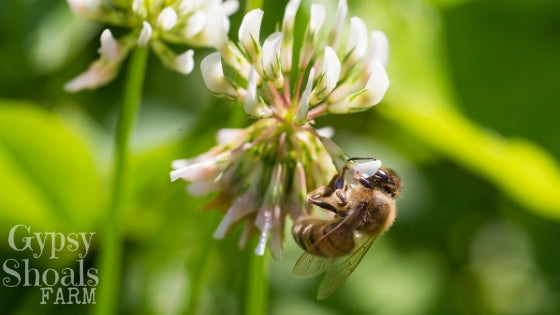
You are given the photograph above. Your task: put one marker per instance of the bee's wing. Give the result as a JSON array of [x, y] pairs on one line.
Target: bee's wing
[[310, 266], [339, 272]]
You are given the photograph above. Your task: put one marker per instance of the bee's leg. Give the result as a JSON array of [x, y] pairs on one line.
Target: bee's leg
[[342, 197], [320, 203], [341, 187]]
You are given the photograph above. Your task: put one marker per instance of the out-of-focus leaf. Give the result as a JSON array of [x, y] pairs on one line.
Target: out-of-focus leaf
[[421, 100], [59, 36], [523, 170], [48, 177]]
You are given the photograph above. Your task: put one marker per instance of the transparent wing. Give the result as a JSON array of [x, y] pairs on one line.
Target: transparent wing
[[310, 266], [341, 270]]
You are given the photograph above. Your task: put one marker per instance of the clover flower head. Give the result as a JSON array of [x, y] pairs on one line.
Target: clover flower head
[[262, 173], [154, 24], [346, 76]]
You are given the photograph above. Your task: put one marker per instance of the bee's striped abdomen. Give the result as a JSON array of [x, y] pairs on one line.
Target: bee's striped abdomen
[[310, 235]]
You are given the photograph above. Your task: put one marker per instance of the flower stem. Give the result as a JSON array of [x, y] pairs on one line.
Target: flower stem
[[253, 4], [256, 302], [110, 255]]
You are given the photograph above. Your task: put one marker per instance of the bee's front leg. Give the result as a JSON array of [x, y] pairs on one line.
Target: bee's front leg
[[331, 197]]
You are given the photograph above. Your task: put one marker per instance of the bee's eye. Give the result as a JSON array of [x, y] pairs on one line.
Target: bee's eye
[[382, 175], [339, 184]]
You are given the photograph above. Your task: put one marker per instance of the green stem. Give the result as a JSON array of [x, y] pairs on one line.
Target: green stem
[[257, 285], [110, 239], [253, 4], [201, 266]]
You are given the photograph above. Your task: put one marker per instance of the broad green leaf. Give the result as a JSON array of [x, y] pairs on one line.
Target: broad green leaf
[[48, 177], [521, 169], [421, 100]]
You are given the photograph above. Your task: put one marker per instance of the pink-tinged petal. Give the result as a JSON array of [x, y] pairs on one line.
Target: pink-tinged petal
[[84, 7], [249, 227], [242, 207], [228, 135], [204, 170], [110, 48], [275, 242], [264, 223], [202, 188], [98, 74]]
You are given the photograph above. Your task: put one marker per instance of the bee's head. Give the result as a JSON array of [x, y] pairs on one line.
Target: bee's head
[[385, 179]]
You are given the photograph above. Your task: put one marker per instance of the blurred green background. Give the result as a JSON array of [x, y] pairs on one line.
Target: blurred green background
[[470, 123]]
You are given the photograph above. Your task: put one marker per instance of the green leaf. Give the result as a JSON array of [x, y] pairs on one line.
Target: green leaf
[[48, 177], [520, 168]]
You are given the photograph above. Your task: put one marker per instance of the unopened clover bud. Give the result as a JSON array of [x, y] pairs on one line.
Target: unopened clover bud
[[249, 33], [196, 23], [167, 18], [145, 34], [139, 8], [301, 115], [184, 63], [341, 12], [378, 48], [109, 46], [213, 75], [317, 18], [288, 33], [252, 105], [271, 56], [357, 40], [329, 76], [375, 89]]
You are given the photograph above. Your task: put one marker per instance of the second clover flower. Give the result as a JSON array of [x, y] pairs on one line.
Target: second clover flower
[[154, 24]]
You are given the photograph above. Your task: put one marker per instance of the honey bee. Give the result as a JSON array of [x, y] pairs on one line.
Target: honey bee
[[362, 210]]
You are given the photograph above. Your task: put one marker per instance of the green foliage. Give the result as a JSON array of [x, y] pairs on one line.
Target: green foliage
[[469, 123], [49, 180]]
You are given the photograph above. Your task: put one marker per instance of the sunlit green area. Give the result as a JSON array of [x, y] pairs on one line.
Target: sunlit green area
[[470, 123]]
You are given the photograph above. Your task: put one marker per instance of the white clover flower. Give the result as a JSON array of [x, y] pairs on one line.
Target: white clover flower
[[347, 77], [259, 183], [263, 173], [153, 24]]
